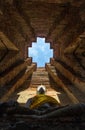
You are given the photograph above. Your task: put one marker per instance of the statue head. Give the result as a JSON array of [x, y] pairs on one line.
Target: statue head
[[41, 89]]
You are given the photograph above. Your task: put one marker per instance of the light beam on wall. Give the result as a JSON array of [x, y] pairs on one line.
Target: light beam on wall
[[40, 52]]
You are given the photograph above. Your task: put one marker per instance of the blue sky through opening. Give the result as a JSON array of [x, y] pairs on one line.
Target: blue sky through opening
[[40, 52]]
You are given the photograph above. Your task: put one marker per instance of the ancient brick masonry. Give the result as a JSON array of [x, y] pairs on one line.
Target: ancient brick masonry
[[62, 23]]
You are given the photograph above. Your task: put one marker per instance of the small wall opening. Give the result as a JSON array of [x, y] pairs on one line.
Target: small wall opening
[[40, 52]]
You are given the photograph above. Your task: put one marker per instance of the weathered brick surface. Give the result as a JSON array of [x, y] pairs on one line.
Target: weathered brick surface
[[60, 22]]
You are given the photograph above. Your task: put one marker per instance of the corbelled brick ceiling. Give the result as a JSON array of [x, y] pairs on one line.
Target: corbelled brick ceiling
[[61, 22]]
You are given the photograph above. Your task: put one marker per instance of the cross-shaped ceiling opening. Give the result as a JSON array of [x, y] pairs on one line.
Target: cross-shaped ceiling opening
[[40, 52]]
